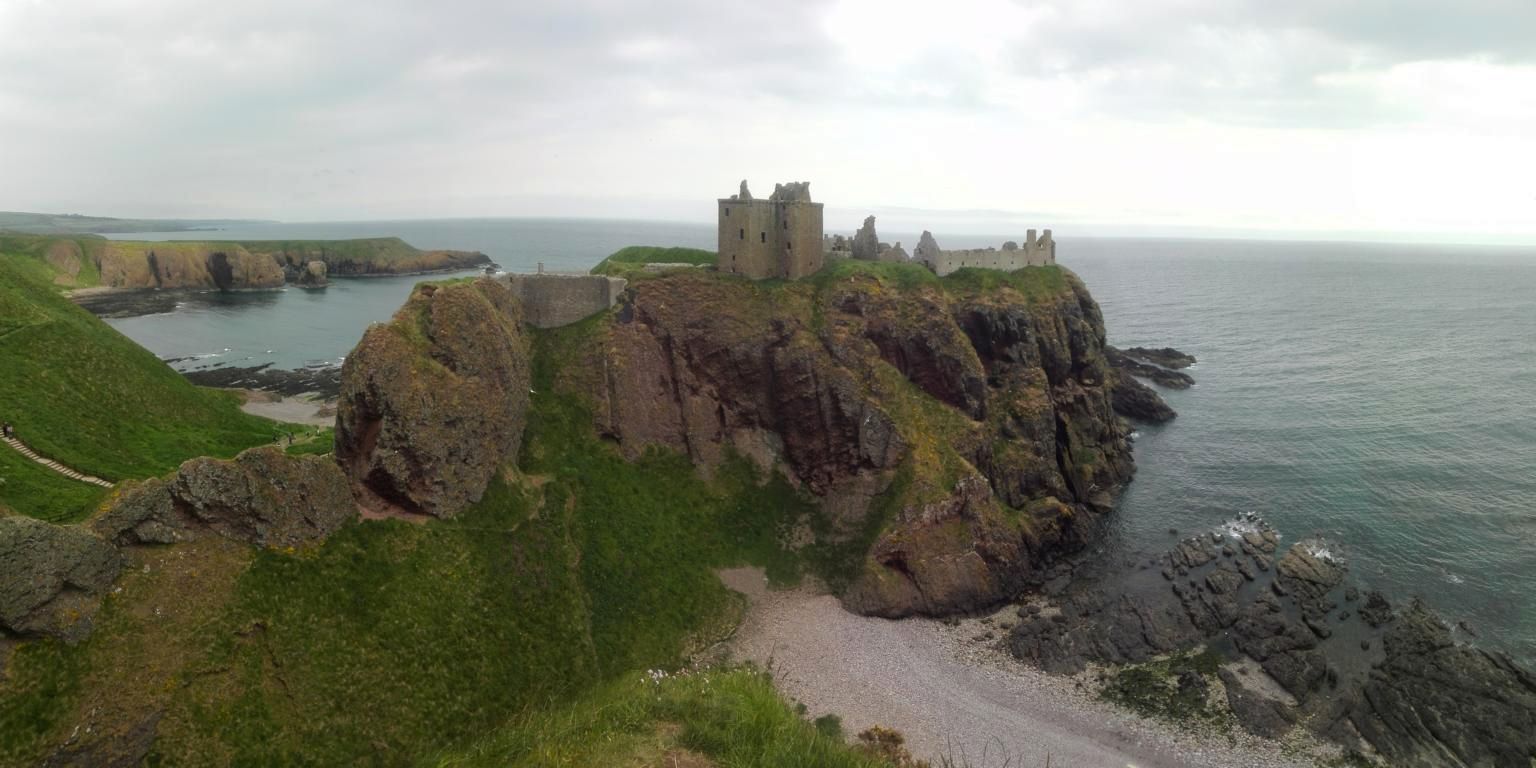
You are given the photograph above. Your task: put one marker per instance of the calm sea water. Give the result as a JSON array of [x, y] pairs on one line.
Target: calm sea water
[[1379, 395]]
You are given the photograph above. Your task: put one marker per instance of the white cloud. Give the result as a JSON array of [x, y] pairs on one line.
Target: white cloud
[[1309, 117]]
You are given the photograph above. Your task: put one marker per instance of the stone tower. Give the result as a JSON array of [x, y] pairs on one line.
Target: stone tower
[[778, 237]]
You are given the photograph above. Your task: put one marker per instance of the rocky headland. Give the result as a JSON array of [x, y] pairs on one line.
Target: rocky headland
[[947, 446]]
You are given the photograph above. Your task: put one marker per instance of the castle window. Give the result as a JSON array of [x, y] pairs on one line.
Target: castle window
[[762, 237], [786, 223], [743, 233], [727, 211]]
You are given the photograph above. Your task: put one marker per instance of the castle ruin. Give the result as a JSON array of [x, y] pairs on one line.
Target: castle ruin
[[1036, 252], [777, 237]]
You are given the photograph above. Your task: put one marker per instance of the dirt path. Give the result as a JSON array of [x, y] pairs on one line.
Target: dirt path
[[956, 697], [22, 449]]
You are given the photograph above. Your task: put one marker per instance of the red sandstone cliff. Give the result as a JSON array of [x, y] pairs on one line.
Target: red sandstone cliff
[[971, 426]]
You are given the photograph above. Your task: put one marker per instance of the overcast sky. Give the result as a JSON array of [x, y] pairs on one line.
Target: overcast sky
[[1364, 118]]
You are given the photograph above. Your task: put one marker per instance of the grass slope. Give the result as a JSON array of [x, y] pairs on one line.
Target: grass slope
[[729, 717], [83, 394], [393, 642]]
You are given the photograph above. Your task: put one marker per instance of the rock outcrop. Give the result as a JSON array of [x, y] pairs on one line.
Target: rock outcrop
[[51, 578], [1408, 692], [1167, 357], [313, 275], [261, 497], [1163, 377], [980, 420], [866, 244], [434, 402]]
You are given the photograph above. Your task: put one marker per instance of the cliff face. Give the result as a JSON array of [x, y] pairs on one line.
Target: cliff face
[[224, 266], [433, 403], [971, 426], [248, 265]]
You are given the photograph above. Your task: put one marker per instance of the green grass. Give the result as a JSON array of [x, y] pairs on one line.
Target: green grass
[[313, 441], [733, 717], [627, 262], [1035, 284], [84, 395], [899, 275]]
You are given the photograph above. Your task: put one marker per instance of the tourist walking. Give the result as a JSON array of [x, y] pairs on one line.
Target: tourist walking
[[8, 430]]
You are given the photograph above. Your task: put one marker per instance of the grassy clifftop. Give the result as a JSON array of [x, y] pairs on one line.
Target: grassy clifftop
[[81, 393]]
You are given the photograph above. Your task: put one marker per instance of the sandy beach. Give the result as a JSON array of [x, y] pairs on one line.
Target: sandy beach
[[954, 696]]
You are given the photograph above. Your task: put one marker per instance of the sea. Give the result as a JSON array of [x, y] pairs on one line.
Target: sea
[[1380, 396]]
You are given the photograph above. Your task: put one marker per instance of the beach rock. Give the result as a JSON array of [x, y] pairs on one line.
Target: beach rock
[[434, 403], [52, 578], [1258, 714], [1167, 357], [1431, 702], [262, 497], [866, 244], [1135, 400], [1163, 377], [1376, 611]]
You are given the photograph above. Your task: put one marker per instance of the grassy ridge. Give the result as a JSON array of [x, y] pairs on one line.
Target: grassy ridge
[[630, 262], [733, 717], [83, 394]]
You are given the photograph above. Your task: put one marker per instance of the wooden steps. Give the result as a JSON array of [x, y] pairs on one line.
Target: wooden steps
[[22, 449]]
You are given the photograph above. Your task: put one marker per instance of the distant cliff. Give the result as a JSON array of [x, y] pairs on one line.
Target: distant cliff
[[86, 261]]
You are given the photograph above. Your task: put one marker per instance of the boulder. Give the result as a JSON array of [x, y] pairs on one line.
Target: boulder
[[52, 577], [261, 497], [434, 402]]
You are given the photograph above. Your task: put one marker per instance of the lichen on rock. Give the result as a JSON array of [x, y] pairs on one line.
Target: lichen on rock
[[51, 577]]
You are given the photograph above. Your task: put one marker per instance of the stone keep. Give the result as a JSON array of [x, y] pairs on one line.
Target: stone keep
[[778, 237]]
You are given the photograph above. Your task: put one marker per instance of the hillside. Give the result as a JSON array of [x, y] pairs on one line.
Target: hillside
[[79, 392]]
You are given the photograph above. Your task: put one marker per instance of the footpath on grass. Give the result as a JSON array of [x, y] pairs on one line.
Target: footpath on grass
[[54, 465]]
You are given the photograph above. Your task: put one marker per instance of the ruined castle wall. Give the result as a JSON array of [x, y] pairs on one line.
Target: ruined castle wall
[[1035, 253], [550, 301], [800, 228], [749, 238]]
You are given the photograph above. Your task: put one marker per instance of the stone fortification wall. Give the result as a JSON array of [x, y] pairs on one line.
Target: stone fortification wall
[[1034, 253], [550, 301]]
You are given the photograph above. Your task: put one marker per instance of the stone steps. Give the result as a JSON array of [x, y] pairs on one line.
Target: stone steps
[[22, 449]]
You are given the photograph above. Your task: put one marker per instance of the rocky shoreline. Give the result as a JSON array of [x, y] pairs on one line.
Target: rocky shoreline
[[1300, 645]]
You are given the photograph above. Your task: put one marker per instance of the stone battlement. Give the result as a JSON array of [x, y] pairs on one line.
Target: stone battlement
[[551, 300], [1034, 253]]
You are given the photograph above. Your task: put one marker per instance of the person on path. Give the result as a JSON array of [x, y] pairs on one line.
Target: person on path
[[9, 430]]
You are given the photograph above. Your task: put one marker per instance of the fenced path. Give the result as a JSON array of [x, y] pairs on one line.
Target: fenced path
[[54, 465]]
